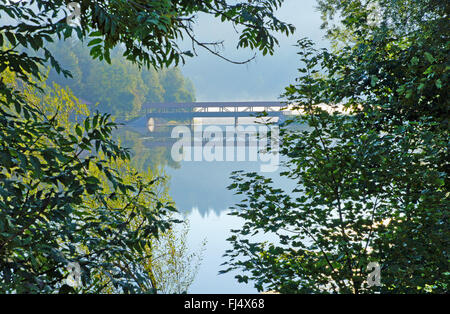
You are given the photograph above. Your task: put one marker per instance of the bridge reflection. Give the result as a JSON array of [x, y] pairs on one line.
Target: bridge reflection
[[192, 185]]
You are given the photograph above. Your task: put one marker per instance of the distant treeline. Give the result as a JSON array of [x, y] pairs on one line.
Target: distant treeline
[[120, 88]]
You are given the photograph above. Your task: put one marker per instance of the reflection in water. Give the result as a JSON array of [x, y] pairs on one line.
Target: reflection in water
[[199, 189], [215, 228]]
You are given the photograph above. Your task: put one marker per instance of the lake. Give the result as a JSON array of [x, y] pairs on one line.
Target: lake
[[198, 186]]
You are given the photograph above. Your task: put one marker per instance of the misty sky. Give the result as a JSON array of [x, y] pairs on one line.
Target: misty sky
[[263, 78]]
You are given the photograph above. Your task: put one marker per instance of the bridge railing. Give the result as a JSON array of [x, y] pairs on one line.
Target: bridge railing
[[218, 106]]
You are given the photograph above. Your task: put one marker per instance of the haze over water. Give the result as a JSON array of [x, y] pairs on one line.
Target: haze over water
[[199, 190]]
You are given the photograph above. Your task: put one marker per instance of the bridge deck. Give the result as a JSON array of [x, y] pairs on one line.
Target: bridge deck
[[191, 105], [190, 115]]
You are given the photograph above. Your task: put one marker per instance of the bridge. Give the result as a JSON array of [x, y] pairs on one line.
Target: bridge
[[192, 110]]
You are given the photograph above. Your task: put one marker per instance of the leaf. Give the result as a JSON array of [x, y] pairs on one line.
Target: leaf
[[94, 42], [374, 80], [66, 289], [429, 57], [78, 130], [11, 38], [37, 165]]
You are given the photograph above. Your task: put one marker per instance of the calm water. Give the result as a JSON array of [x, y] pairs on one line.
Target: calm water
[[199, 189]]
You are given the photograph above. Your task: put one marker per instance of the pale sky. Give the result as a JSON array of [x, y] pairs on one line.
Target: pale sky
[[263, 78]]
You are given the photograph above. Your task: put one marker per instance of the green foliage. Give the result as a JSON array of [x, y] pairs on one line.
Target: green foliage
[[66, 195], [371, 170], [149, 30], [121, 87], [172, 265], [67, 192], [176, 87]]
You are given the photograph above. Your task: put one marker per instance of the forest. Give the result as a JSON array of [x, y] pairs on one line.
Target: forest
[[82, 213], [119, 88]]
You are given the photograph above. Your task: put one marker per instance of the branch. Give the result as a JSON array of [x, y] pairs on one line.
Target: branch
[[205, 46]]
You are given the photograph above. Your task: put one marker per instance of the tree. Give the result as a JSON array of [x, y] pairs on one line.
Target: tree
[[148, 30], [121, 87], [370, 170], [100, 269], [152, 80], [55, 208], [64, 201], [70, 58], [117, 87], [173, 266], [176, 87]]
